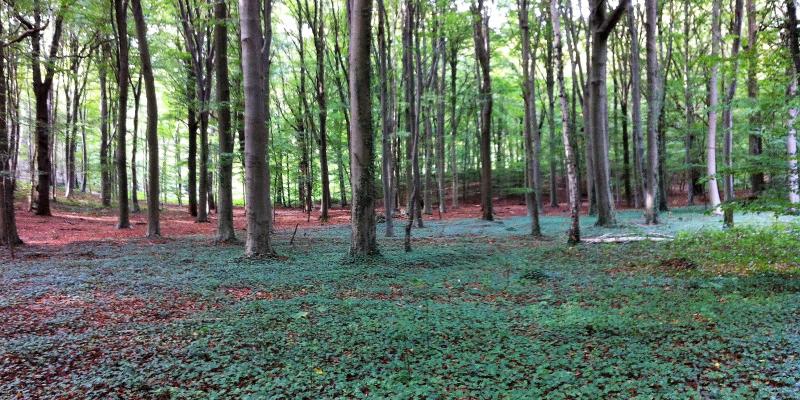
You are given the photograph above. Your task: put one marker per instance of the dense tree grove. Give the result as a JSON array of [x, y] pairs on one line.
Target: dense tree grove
[[397, 109]]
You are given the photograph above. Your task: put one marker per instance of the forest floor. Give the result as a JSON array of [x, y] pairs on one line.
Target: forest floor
[[476, 310]]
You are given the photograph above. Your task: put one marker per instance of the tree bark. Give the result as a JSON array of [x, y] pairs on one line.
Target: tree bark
[[481, 38], [43, 89], [363, 239], [791, 140], [153, 173], [386, 121], [574, 235], [754, 139], [600, 26], [653, 111], [123, 74], [529, 119], [727, 113], [225, 229], [8, 225], [639, 172], [713, 105], [255, 125]]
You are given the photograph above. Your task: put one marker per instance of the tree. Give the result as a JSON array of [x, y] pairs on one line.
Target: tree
[[42, 90], [481, 38], [225, 230], [255, 71], [8, 225], [791, 140], [600, 27], [574, 234], [713, 105], [727, 113], [362, 154], [639, 172], [199, 45], [123, 74], [153, 224], [316, 20], [756, 144], [386, 120], [530, 118], [105, 162], [653, 111]]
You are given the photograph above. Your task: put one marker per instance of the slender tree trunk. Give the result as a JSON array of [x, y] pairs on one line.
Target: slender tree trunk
[[711, 140], [653, 111], [225, 229], [453, 123], [363, 239], [689, 159], [755, 142], [153, 224], [43, 89], [386, 120], [529, 121], [8, 224], [255, 71], [191, 122], [727, 113], [137, 95], [481, 37], [636, 106], [791, 140], [574, 235], [123, 73]]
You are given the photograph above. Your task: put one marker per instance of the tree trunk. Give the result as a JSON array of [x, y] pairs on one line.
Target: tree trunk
[[440, 141], [713, 95], [363, 239], [755, 142], [191, 122], [8, 224], [43, 89], [529, 121], [255, 125], [653, 111], [137, 95], [481, 37], [791, 140], [601, 26], [453, 123], [386, 121], [639, 172], [574, 235], [727, 113], [105, 165], [225, 229], [153, 225], [689, 159], [123, 73]]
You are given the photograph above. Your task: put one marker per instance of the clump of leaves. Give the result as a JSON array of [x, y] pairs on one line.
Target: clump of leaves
[[534, 275]]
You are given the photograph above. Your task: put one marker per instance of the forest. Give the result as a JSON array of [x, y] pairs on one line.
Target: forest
[[466, 199]]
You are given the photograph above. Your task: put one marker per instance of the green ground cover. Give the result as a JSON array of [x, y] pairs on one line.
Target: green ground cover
[[477, 310]]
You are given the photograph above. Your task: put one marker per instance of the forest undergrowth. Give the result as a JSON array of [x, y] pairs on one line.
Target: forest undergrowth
[[476, 310]]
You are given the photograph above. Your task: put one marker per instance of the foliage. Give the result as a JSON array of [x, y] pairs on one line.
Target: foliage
[[486, 315]]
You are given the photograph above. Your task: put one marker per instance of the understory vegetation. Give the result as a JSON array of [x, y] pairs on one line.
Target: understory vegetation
[[476, 311]]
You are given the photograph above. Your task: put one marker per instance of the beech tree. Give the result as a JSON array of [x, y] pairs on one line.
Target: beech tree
[[225, 230], [255, 68], [153, 173], [123, 74], [362, 154], [481, 38]]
